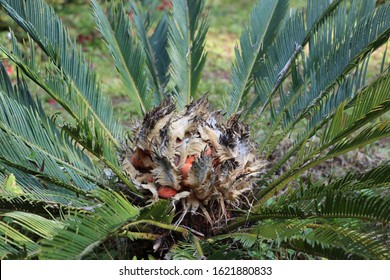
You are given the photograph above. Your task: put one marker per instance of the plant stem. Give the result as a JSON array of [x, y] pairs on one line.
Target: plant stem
[[176, 228]]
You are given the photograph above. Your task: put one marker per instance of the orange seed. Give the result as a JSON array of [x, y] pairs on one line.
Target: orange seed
[[166, 192], [190, 159], [185, 169]]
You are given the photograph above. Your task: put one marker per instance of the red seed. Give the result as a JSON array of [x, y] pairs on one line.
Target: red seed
[[166, 192], [136, 161], [190, 159], [141, 159], [185, 169]]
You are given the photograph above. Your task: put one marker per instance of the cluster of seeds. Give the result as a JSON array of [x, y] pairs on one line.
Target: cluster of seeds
[[194, 156]]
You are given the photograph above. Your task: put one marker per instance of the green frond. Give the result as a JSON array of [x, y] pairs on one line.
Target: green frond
[[366, 206], [349, 129], [186, 41], [127, 53], [158, 42], [159, 214], [183, 251], [84, 129], [343, 199], [34, 149], [209, 249], [155, 47], [21, 244], [15, 245], [187, 250], [372, 102], [82, 233], [368, 103], [368, 135], [51, 204], [321, 84], [319, 249], [67, 58], [160, 211], [20, 93], [263, 24], [38, 225], [372, 181], [325, 239], [325, 66], [365, 137], [285, 49], [93, 140], [278, 58], [23, 192], [51, 140], [355, 206], [318, 11], [52, 84], [47, 196]]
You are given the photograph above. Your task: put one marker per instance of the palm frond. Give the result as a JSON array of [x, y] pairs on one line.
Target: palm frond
[[263, 24], [308, 92], [331, 64], [357, 200], [66, 57], [84, 131], [82, 233], [285, 49], [21, 244], [186, 40], [93, 140], [34, 149], [325, 239], [183, 251], [187, 250], [52, 84], [339, 137], [161, 211], [155, 47], [351, 184], [365, 206], [51, 204], [372, 102], [278, 59], [19, 93], [350, 197], [127, 53], [367, 136]]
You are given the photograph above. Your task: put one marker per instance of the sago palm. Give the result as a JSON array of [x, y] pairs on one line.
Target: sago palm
[[187, 180]]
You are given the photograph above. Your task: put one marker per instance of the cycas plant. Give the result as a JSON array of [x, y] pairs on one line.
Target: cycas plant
[[187, 181]]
